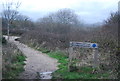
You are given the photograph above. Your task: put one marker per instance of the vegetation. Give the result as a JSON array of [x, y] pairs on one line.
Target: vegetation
[[84, 72], [4, 40], [57, 29], [13, 61], [49, 34], [9, 13], [80, 73]]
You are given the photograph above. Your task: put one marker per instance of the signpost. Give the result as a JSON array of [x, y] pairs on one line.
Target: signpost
[[83, 45], [94, 46]]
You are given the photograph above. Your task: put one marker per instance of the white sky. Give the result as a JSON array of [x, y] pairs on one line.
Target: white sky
[[91, 11]]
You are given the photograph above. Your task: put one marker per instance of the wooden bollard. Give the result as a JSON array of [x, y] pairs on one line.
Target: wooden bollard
[[95, 56], [70, 57]]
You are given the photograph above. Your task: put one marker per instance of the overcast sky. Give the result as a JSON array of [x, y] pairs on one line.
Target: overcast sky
[[90, 11]]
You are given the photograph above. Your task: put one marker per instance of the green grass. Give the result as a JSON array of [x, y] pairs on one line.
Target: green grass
[[21, 58], [62, 72], [15, 68]]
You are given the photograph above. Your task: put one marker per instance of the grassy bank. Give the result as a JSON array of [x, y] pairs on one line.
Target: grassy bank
[[13, 61], [15, 68], [62, 73], [82, 73]]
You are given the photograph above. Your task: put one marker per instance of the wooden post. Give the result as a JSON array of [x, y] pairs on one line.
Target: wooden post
[[70, 57], [95, 53], [8, 30]]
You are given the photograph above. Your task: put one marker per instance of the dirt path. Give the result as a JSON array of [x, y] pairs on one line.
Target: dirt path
[[35, 62]]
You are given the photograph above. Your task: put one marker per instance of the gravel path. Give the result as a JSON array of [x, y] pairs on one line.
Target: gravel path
[[35, 61]]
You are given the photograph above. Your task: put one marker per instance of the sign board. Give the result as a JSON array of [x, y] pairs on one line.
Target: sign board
[[84, 44]]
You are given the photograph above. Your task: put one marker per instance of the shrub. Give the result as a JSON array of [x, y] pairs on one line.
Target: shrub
[[13, 61], [4, 40]]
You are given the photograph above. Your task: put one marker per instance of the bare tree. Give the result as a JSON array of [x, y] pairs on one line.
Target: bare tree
[[10, 12], [66, 16], [59, 22], [114, 18]]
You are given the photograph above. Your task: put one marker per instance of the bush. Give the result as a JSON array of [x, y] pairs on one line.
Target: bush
[[13, 61], [4, 40]]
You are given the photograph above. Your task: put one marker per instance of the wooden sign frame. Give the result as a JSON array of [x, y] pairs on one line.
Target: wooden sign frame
[[79, 45]]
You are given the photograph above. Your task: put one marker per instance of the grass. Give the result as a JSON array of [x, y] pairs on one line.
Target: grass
[[21, 58], [15, 68], [13, 62], [63, 73]]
